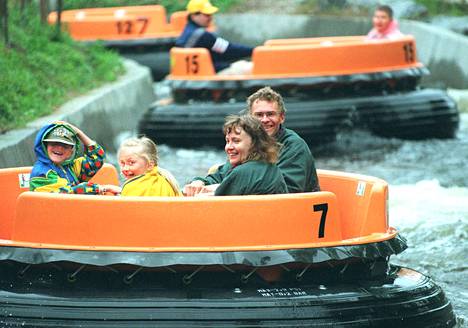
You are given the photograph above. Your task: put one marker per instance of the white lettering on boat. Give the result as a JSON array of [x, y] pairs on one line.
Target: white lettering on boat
[[24, 180], [361, 188], [281, 292]]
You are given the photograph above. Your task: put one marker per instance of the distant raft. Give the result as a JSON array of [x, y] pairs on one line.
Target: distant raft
[[327, 83], [142, 33], [302, 260]]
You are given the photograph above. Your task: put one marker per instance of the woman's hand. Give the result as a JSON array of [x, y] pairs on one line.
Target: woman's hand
[[193, 188], [210, 189], [207, 190]]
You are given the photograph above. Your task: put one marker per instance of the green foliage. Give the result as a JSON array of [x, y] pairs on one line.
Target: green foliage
[[447, 8], [332, 8], [170, 5], [342, 8], [39, 74]]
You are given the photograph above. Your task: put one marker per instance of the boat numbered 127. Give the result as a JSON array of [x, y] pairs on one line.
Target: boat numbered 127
[[328, 84], [302, 260], [141, 33]]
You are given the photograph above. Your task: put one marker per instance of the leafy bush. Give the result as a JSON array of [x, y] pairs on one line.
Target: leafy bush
[[39, 74], [170, 5], [447, 8]]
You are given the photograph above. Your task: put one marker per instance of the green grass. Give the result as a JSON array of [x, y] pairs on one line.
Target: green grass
[[447, 8], [339, 8], [39, 74], [170, 5]]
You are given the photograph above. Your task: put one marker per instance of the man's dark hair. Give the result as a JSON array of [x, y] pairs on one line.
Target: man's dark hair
[[387, 9]]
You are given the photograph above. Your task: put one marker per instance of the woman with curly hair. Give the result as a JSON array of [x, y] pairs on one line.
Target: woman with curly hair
[[251, 157]]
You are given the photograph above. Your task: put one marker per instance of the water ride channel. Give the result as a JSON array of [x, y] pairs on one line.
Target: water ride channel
[[97, 273]]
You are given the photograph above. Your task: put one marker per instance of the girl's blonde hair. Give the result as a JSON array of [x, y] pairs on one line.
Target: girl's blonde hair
[[147, 148]]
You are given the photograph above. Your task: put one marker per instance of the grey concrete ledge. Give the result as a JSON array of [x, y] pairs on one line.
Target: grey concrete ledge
[[102, 114]]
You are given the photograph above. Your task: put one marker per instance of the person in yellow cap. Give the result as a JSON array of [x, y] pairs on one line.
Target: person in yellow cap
[[138, 160], [226, 55]]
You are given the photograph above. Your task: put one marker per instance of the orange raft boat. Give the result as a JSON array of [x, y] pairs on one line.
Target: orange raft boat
[[328, 83], [257, 261], [142, 33]]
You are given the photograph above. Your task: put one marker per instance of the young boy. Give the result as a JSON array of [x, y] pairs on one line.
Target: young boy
[[59, 169]]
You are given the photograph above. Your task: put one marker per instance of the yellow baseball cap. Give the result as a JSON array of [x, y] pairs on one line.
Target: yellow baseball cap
[[201, 6]]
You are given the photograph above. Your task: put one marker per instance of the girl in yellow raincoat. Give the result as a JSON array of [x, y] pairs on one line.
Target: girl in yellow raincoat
[[138, 161]]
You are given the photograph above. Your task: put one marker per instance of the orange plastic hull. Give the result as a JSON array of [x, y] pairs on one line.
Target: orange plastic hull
[[121, 23], [351, 211], [299, 58]]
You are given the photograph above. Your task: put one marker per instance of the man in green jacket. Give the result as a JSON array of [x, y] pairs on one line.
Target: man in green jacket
[[295, 159]]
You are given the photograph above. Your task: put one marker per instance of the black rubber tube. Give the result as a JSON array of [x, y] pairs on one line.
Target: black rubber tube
[[420, 114], [403, 298]]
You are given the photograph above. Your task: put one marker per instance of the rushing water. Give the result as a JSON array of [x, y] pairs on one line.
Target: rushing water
[[428, 196]]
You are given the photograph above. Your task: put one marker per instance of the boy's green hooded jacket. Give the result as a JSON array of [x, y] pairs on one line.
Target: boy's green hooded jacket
[[72, 175]]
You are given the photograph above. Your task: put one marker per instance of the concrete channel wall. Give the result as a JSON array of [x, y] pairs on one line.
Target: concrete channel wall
[[444, 52], [102, 114]]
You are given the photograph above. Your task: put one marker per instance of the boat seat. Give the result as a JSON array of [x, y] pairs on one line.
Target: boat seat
[[362, 202], [15, 181], [352, 55], [178, 20], [326, 40], [191, 62], [108, 174], [180, 223]]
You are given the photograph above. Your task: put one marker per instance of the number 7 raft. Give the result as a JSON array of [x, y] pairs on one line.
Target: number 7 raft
[[302, 260], [329, 84]]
